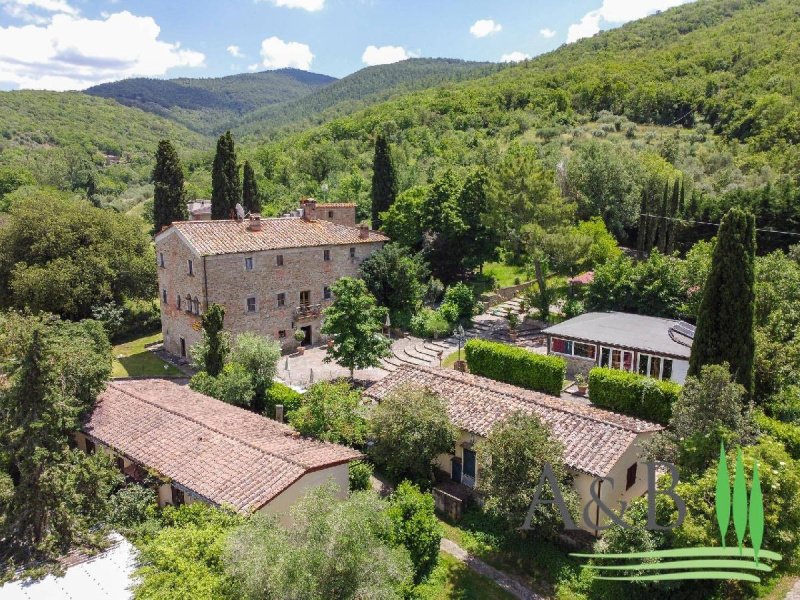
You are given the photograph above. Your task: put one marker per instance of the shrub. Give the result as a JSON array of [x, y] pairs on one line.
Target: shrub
[[234, 385], [331, 412], [461, 295], [632, 394], [415, 526], [429, 323], [359, 473], [277, 393], [132, 506], [785, 406], [516, 366], [786, 433], [449, 312]]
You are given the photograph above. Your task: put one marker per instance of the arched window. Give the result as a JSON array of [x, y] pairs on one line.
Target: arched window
[[178, 301], [188, 303], [196, 306]]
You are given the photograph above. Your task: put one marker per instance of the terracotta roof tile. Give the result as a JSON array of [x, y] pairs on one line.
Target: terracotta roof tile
[[224, 454], [336, 205], [594, 440], [229, 237]]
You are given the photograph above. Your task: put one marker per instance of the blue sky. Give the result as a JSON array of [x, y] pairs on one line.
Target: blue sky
[[72, 44]]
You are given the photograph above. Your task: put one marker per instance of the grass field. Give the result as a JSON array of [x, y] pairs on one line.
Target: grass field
[[132, 359], [453, 580]]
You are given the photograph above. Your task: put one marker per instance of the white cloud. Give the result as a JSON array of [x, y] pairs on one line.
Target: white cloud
[[277, 54], [483, 27], [547, 33], [31, 11], [385, 55], [309, 5], [71, 52], [253, 67], [515, 56], [617, 11], [234, 51]]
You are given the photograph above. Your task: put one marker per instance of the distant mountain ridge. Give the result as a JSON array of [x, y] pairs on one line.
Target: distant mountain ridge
[[252, 103], [205, 104]]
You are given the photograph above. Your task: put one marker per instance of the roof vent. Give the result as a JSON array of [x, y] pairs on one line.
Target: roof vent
[[255, 222], [363, 231], [309, 206]]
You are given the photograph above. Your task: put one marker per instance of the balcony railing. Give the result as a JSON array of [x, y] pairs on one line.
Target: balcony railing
[[308, 311]]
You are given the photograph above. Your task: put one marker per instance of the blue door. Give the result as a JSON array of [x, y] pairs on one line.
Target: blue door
[[455, 469], [468, 478]]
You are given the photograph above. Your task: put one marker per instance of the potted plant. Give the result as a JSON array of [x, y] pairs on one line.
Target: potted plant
[[513, 323], [580, 381], [299, 337]]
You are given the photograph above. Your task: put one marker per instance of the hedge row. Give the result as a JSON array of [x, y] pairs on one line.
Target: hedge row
[[633, 394], [516, 366], [786, 433], [277, 393]]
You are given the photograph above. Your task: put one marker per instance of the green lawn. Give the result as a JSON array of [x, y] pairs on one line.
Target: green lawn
[[132, 359], [453, 580], [505, 275], [541, 565], [449, 360]]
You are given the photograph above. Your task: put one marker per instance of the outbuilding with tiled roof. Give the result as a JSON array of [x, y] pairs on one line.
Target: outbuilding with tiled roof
[[206, 450], [596, 443]]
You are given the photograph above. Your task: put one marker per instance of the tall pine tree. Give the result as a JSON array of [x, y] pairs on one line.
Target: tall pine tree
[[250, 200], [725, 319], [226, 191], [384, 180], [169, 202]]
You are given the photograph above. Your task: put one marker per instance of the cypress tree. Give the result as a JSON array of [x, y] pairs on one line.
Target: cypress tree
[[384, 180], [226, 190], [672, 224], [250, 199], [725, 319], [212, 321], [641, 238], [169, 203], [660, 230]]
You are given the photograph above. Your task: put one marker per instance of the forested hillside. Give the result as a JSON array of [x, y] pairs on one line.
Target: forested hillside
[[705, 92], [362, 88], [205, 104], [74, 141]]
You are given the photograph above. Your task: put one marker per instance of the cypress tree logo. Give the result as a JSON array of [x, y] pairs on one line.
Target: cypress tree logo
[[723, 562]]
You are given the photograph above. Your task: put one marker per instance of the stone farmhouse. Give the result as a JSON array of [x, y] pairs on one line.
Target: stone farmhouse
[[597, 443], [271, 275], [650, 346], [202, 449]]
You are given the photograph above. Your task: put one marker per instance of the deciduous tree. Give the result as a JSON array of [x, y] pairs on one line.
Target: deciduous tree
[[411, 429], [355, 321]]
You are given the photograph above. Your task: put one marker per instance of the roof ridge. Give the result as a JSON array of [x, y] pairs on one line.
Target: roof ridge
[[545, 401], [214, 429]]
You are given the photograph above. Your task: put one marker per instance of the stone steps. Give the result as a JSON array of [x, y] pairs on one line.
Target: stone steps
[[410, 352]]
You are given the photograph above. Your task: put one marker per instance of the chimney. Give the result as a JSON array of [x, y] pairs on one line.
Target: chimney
[[309, 206], [255, 222], [363, 231], [279, 412]]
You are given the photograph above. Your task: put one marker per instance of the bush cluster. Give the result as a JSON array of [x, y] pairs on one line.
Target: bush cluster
[[786, 433], [633, 394], [516, 366], [278, 393]]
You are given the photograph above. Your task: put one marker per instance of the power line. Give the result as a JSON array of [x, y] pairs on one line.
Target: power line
[[794, 233]]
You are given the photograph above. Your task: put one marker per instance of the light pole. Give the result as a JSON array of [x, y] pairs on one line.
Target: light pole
[[459, 335]]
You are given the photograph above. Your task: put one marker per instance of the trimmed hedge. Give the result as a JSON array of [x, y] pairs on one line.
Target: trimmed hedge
[[632, 394], [516, 366], [277, 393], [786, 433]]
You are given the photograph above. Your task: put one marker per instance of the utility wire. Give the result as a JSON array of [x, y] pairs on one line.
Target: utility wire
[[794, 233]]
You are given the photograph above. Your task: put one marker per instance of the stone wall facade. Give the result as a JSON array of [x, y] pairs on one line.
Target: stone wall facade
[[248, 286]]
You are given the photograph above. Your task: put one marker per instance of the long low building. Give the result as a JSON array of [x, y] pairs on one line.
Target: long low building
[[202, 449], [597, 443], [651, 346]]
